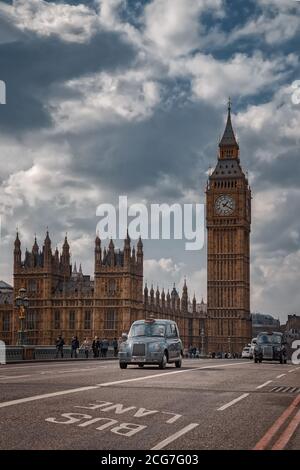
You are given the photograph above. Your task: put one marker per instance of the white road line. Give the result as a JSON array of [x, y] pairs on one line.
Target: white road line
[[263, 385], [175, 436], [93, 387], [46, 395], [292, 370], [14, 376], [279, 376], [9, 366], [137, 379], [233, 402]]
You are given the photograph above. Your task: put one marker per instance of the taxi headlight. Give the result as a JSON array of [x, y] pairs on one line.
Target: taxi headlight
[[155, 347]]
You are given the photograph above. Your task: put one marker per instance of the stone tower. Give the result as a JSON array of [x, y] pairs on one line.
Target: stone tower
[[228, 199]]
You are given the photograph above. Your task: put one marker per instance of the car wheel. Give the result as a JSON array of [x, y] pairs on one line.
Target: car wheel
[[141, 365], [163, 362], [123, 365], [178, 363]]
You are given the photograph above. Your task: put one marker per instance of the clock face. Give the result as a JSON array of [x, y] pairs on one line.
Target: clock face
[[224, 205]]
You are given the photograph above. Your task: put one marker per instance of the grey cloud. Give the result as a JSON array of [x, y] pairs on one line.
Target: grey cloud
[[34, 67]]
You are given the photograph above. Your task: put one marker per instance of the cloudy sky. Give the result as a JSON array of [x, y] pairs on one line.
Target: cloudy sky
[[116, 97]]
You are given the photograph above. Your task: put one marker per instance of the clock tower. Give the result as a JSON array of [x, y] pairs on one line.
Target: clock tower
[[228, 218]]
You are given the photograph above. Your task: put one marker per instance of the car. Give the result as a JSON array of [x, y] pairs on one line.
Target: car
[[246, 353], [151, 341], [270, 346]]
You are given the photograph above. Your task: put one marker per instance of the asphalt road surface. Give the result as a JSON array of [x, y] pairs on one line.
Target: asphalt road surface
[[207, 404]]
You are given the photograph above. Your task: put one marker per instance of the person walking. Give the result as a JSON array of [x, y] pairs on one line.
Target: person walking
[[115, 346], [74, 346], [105, 345], [59, 347], [86, 346], [96, 347]]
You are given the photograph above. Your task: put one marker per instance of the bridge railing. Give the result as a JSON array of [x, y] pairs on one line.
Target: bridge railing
[[47, 353]]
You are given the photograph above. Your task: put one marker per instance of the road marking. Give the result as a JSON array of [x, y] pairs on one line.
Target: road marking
[[263, 385], [137, 379], [245, 395], [14, 376], [292, 370], [266, 439], [281, 443], [175, 436], [46, 395], [279, 376], [55, 365], [93, 387]]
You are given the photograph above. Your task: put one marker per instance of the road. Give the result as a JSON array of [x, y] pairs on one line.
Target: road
[[207, 404]]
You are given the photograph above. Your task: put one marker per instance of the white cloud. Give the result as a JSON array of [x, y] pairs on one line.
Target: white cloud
[[241, 75], [274, 29], [174, 26], [276, 119], [74, 23], [103, 98]]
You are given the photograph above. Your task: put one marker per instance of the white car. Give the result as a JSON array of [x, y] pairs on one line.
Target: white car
[[246, 353]]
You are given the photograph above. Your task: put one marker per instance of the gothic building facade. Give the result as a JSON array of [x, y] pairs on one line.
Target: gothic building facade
[[64, 301]]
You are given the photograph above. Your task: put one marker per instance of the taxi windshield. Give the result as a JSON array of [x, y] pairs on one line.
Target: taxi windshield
[[147, 329], [270, 339]]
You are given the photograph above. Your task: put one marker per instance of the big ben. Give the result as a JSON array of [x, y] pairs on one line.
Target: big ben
[[228, 218]]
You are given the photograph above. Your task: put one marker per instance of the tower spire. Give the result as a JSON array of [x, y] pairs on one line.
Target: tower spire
[[228, 145]]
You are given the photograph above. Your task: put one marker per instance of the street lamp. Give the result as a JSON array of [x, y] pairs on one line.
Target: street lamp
[[202, 334], [22, 303]]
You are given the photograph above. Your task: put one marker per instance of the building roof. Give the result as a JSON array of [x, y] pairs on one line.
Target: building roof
[[5, 287], [228, 138]]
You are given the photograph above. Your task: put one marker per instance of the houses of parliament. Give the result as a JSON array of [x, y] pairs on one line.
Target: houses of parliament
[[64, 301]]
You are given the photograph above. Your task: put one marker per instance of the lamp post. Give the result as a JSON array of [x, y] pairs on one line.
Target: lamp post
[[22, 304], [202, 354]]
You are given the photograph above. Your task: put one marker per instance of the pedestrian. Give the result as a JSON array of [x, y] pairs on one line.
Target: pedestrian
[[96, 347], [105, 344], [59, 347], [115, 346], [194, 350], [74, 346], [190, 351], [86, 346]]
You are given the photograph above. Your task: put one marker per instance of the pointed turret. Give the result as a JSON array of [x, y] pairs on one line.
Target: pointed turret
[[17, 252], [140, 254], [168, 300], [184, 297], [127, 249], [163, 299], [194, 304], [228, 145], [65, 258], [152, 295], [35, 247], [80, 271], [133, 254], [146, 294], [157, 295], [47, 252], [98, 254], [111, 253]]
